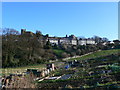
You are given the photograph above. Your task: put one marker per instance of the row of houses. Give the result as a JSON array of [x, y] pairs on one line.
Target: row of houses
[[70, 40]]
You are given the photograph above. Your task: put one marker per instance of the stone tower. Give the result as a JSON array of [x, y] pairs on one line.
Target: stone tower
[[23, 31]]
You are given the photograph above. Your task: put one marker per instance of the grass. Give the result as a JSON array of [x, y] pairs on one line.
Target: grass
[[7, 71], [58, 51], [114, 82], [98, 54]]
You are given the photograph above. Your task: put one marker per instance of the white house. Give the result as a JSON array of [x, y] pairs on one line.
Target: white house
[[53, 40], [90, 41], [74, 42], [68, 40], [82, 42], [86, 41], [71, 40], [64, 41]]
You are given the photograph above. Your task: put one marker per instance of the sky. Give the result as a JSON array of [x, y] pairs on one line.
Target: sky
[[60, 18]]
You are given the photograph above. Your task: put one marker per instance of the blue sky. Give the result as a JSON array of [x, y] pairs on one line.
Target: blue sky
[[61, 18]]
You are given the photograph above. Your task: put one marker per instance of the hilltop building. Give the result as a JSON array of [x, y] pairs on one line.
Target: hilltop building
[[24, 32]]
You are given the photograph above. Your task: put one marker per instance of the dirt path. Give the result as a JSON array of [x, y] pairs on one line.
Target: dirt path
[[78, 56]]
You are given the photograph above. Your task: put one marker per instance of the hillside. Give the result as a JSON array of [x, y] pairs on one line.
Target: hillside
[[100, 70], [59, 52], [28, 48], [98, 54]]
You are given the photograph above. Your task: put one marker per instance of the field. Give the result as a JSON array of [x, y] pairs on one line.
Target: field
[[58, 52], [98, 54], [7, 71]]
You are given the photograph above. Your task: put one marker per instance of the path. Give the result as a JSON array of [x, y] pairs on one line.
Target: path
[[78, 56]]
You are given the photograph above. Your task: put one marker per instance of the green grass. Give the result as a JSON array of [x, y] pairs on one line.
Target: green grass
[[58, 52], [98, 54], [6, 71]]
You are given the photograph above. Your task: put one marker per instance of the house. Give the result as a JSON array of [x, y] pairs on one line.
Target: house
[[86, 41], [64, 41], [117, 42], [53, 40], [90, 41], [82, 41], [71, 40]]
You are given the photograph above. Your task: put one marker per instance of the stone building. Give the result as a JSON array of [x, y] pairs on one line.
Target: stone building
[[24, 32]]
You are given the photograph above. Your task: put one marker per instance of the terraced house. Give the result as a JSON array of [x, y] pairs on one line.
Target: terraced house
[[71, 40]]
